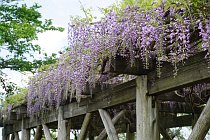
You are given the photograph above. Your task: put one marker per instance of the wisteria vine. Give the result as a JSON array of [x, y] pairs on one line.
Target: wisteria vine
[[165, 35]]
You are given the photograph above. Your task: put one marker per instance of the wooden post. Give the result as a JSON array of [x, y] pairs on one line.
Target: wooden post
[[68, 129], [16, 136], [38, 134], [61, 125], [102, 135], [84, 126], [129, 135], [12, 137], [25, 134], [109, 126], [164, 133], [4, 135], [90, 134], [146, 113], [194, 119], [202, 125], [46, 132]]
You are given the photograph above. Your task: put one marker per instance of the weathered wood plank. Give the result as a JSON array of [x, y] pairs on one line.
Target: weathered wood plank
[[61, 124], [25, 134], [46, 132], [109, 126], [194, 71], [202, 125], [68, 129], [164, 133], [84, 126], [102, 135], [146, 114], [16, 136], [38, 134], [129, 135], [181, 121]]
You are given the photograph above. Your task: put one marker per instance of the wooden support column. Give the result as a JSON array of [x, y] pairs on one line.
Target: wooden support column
[[46, 132], [129, 135], [12, 137], [165, 134], [109, 126], [102, 135], [38, 134], [146, 112], [25, 134], [90, 134], [68, 129], [202, 125], [16, 136], [61, 125], [4, 135], [84, 126]]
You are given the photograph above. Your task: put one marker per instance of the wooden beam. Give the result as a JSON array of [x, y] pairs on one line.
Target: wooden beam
[[109, 126], [85, 123], [121, 65], [178, 107], [68, 129], [202, 125], [165, 134], [181, 121], [46, 132], [194, 71], [61, 124], [146, 113], [38, 134], [102, 135]]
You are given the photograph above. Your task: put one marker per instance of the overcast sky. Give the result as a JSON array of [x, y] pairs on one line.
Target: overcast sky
[[60, 12]]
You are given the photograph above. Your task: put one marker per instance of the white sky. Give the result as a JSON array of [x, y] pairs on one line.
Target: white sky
[[60, 12]]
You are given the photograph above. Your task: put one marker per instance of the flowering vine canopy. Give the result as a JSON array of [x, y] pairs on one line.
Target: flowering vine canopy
[[163, 33]]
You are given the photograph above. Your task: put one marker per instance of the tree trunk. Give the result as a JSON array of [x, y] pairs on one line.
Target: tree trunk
[[202, 125], [146, 112], [109, 126]]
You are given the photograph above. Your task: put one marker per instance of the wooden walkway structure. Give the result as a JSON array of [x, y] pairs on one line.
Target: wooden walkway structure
[[146, 105]]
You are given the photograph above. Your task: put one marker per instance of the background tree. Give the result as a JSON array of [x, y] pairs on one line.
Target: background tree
[[19, 26]]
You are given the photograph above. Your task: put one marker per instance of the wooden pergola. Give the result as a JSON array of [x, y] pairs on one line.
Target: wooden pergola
[[146, 105]]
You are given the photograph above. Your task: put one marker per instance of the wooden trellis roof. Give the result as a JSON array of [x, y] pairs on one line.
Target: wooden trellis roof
[[195, 70]]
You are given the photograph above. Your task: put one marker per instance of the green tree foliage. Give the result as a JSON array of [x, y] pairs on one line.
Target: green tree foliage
[[19, 26]]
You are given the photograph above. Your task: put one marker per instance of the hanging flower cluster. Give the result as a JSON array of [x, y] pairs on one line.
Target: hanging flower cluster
[[162, 35]]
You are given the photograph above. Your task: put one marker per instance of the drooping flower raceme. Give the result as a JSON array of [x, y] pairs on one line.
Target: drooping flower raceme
[[134, 34]]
